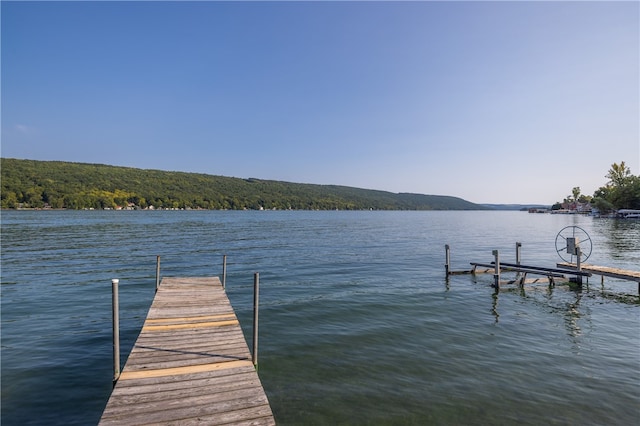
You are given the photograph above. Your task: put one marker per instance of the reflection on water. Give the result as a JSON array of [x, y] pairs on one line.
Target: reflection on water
[[565, 300], [494, 306], [572, 317]]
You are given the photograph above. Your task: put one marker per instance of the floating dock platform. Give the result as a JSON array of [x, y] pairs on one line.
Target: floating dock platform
[[190, 364]]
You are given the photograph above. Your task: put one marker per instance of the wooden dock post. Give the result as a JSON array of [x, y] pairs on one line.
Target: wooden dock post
[[157, 273], [520, 277], [256, 291], [115, 311], [224, 271], [496, 275], [447, 257]]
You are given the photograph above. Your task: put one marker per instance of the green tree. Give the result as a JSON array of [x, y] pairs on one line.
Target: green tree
[[140, 202], [622, 191], [33, 197], [618, 174], [576, 193], [603, 205], [9, 200], [627, 196]]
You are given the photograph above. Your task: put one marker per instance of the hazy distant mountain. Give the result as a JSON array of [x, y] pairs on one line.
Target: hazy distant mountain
[[515, 206]]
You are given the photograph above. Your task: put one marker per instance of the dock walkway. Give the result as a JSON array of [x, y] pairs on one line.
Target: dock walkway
[[605, 271], [190, 363]]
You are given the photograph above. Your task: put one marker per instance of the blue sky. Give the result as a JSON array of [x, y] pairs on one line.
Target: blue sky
[[496, 102]]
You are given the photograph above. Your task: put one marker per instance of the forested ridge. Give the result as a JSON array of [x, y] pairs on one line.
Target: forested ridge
[[57, 184]]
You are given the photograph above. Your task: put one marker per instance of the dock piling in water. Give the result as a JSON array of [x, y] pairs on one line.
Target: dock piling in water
[[224, 271], [157, 272], [447, 259], [579, 266], [256, 291], [496, 274], [116, 329]]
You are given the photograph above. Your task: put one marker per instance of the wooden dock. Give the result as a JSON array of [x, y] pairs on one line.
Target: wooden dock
[[190, 364], [606, 271]]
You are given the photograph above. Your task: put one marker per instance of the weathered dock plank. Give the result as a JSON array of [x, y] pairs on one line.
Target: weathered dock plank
[[605, 271], [190, 364]]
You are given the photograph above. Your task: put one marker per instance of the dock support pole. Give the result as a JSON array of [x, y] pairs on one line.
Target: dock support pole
[[578, 266], [447, 259], [496, 275], [224, 271], [256, 291], [157, 273], [519, 276], [116, 329]]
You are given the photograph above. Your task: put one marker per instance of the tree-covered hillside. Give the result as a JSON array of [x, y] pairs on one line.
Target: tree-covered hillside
[[55, 184]]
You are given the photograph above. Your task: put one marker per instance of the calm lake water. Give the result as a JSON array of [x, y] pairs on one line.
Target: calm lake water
[[358, 324]]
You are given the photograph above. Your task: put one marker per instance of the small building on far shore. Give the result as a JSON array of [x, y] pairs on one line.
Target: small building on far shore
[[574, 207], [538, 210]]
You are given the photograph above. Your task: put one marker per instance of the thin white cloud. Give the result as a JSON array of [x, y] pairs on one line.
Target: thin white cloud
[[24, 129]]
